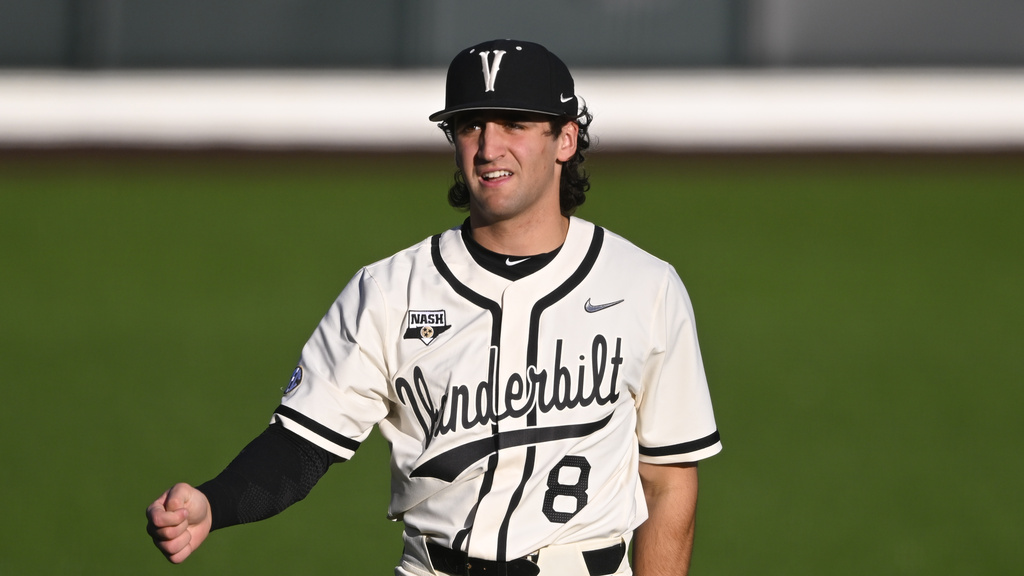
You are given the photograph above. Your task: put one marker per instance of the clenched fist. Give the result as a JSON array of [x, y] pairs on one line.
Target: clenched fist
[[179, 521]]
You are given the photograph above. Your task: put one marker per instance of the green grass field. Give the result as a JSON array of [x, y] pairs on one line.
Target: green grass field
[[861, 319]]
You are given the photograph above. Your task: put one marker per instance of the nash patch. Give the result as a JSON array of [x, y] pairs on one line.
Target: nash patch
[[425, 325]]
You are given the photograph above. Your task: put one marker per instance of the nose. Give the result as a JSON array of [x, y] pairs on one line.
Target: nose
[[491, 144]]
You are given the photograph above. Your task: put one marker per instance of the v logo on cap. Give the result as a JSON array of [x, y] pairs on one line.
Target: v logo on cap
[[491, 70]]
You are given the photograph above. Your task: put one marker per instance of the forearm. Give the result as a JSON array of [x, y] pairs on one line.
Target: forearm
[[276, 470], [664, 543]]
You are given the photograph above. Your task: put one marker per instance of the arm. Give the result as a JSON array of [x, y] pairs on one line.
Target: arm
[[273, 472], [663, 543]]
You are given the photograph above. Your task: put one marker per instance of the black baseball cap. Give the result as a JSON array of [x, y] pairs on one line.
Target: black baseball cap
[[508, 75]]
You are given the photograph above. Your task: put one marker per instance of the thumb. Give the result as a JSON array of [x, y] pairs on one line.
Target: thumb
[[179, 497]]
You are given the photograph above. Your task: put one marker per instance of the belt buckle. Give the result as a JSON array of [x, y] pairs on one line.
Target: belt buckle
[[479, 570]]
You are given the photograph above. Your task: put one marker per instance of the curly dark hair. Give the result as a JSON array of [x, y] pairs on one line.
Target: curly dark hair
[[575, 182]]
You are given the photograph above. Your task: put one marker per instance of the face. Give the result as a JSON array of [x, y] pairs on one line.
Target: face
[[511, 163]]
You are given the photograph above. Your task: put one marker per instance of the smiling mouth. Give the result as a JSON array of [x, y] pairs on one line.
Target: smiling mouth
[[496, 174]]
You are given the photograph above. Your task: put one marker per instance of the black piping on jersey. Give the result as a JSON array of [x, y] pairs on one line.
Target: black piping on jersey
[[574, 280], [485, 488], [684, 448], [462, 290], [318, 428], [554, 296], [513, 503], [494, 308]]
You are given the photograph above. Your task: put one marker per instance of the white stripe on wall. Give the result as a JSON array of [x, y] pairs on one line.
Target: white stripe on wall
[[670, 110]]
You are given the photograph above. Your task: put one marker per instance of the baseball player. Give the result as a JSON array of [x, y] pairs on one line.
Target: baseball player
[[537, 377]]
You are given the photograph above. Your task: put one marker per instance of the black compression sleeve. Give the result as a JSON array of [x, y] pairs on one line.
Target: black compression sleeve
[[276, 470]]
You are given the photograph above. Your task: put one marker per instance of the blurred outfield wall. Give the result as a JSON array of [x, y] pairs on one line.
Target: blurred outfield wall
[[103, 34], [663, 74]]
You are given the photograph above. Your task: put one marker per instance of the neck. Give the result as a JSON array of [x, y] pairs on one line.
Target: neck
[[521, 238]]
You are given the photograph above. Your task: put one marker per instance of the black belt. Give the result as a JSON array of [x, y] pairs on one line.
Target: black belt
[[599, 562]]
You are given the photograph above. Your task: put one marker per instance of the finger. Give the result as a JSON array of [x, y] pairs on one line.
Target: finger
[[178, 496], [168, 533], [157, 505], [159, 517], [182, 555], [177, 549]]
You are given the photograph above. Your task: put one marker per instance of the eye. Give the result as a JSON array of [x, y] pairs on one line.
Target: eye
[[469, 126], [515, 122]]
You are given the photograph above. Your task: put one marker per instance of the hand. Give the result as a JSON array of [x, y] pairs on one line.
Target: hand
[[179, 521]]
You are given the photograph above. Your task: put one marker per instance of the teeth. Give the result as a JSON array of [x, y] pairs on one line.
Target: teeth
[[496, 174]]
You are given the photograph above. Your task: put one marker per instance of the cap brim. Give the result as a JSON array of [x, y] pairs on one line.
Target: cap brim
[[443, 115]]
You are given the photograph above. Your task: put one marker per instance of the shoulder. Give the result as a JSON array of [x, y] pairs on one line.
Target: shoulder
[[619, 252], [404, 263], [389, 277], [383, 287]]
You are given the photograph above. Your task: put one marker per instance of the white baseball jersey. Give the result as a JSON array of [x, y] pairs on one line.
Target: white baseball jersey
[[516, 411]]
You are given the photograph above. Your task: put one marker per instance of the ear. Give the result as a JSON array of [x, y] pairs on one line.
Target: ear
[[567, 141]]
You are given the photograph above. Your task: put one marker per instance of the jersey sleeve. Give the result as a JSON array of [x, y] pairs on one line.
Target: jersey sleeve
[[675, 418], [340, 388]]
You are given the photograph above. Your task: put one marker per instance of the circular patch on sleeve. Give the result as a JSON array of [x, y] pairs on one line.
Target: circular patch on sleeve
[[295, 381]]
